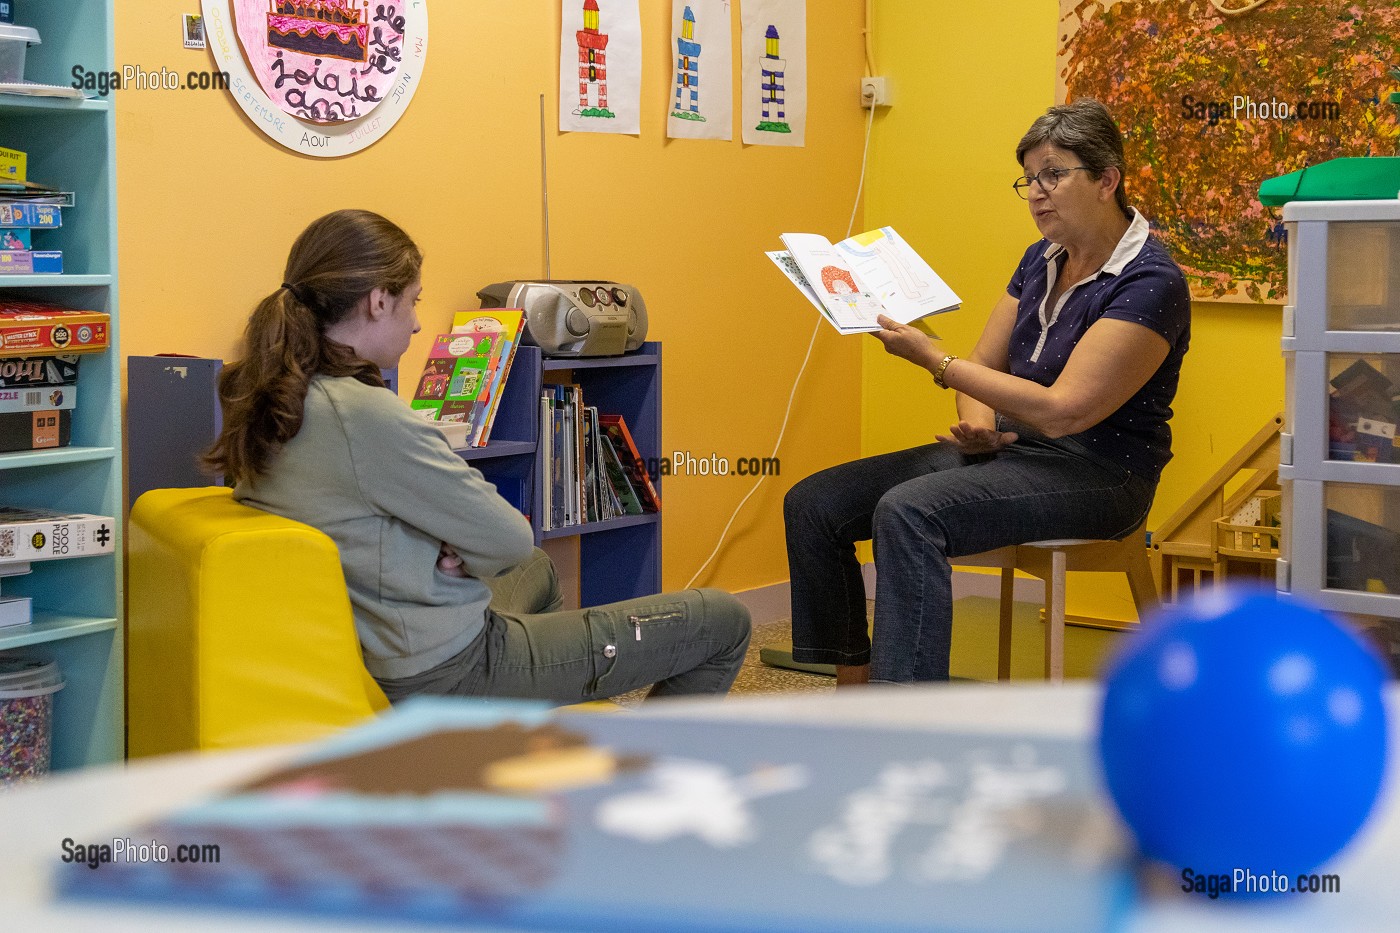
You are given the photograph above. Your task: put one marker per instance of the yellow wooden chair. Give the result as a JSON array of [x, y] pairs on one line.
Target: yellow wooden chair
[[1050, 561], [239, 629]]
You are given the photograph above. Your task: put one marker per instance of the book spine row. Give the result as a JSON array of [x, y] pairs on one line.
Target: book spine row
[[591, 467]]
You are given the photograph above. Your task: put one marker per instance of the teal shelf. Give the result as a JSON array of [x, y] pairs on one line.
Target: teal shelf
[[55, 457], [61, 281], [71, 145], [48, 627], [20, 104]]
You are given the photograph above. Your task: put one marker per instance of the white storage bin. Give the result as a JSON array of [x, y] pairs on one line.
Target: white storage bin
[[14, 43]]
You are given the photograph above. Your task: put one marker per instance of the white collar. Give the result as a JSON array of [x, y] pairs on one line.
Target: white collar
[[1125, 252]]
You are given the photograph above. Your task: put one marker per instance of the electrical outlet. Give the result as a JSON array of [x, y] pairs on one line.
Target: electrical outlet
[[874, 92]]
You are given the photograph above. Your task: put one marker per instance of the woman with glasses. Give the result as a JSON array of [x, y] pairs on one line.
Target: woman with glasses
[[1062, 404]]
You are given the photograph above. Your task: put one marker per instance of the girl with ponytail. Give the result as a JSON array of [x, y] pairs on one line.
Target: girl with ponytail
[[450, 595]]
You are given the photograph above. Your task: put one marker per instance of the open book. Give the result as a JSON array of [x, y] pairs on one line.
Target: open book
[[867, 275]]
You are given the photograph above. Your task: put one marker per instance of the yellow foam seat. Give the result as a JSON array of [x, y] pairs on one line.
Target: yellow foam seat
[[239, 629]]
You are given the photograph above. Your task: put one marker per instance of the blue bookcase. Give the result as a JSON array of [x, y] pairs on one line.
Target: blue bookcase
[[77, 603], [173, 417], [619, 558]]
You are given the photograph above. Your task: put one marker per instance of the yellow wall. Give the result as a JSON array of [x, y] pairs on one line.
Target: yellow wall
[[968, 80], [208, 208]]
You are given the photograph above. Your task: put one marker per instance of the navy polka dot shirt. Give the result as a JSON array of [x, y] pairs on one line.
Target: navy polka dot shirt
[[1140, 283]]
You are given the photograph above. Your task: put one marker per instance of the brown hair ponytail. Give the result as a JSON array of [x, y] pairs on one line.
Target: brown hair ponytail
[[334, 264]]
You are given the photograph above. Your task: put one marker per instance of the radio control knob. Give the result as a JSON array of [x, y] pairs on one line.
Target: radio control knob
[[576, 322]]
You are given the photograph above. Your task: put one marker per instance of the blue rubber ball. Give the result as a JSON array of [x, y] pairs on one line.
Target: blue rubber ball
[[1244, 733]]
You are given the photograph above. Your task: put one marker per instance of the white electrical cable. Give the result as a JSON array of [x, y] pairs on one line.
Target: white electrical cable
[[850, 226]]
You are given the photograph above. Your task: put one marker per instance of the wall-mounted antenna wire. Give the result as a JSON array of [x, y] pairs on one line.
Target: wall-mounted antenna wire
[[544, 187]]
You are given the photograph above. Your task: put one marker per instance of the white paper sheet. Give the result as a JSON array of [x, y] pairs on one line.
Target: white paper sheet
[[600, 66], [774, 72], [700, 104]]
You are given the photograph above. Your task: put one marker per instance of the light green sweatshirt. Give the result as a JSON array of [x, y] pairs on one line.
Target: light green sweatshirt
[[385, 486]]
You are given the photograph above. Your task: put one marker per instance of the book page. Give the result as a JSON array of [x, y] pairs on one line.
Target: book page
[[850, 307], [898, 277], [789, 267]]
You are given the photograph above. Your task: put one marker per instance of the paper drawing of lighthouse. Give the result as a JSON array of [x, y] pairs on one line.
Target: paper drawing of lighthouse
[[592, 65], [772, 75]]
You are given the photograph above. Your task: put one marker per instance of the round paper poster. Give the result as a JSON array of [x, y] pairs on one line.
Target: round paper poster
[[321, 77]]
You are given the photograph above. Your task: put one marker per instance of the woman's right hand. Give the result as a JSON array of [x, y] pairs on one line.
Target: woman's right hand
[[449, 563], [971, 439]]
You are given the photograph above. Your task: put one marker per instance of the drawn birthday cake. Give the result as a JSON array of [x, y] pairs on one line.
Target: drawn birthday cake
[[325, 28]]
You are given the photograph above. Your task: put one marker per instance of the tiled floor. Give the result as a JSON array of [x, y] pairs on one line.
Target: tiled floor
[[757, 677], [974, 651]]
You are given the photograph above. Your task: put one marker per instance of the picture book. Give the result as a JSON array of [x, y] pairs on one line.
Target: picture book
[[561, 455], [508, 325], [514, 816], [864, 276], [453, 377], [616, 475], [615, 429]]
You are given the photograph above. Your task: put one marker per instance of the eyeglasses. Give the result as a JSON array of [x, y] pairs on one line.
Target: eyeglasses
[[1049, 179]]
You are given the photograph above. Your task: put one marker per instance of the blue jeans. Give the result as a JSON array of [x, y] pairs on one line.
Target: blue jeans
[[922, 507]]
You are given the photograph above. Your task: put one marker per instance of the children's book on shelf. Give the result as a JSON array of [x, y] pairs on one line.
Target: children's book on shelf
[[864, 276], [587, 463], [560, 456], [615, 429], [506, 325], [603, 502], [453, 377], [43, 534], [22, 189], [515, 816], [33, 328], [593, 501], [616, 475]]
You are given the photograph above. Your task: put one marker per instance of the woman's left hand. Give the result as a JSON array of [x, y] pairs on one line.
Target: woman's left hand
[[908, 343]]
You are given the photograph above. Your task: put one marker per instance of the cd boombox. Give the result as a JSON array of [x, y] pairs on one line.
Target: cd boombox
[[574, 318]]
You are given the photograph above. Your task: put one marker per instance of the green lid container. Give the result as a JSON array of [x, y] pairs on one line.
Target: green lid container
[[1372, 178]]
